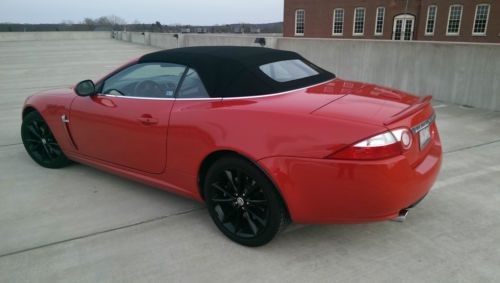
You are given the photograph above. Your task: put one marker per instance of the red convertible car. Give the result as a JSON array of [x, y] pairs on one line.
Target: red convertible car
[[262, 136]]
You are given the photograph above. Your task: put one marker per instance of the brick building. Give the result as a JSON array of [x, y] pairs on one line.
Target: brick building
[[441, 20]]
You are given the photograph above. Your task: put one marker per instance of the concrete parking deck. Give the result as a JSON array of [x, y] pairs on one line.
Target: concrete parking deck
[[79, 224]]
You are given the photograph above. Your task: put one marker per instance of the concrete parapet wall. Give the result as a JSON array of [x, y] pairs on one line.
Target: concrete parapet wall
[[139, 38], [461, 73], [214, 40], [162, 40], [172, 40], [52, 35]]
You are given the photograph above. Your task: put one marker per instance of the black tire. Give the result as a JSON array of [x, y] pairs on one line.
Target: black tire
[[243, 202], [40, 143]]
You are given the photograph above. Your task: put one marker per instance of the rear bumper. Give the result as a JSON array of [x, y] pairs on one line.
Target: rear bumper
[[338, 191]]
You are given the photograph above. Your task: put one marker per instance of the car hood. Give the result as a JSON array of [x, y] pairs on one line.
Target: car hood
[[59, 91], [366, 103]]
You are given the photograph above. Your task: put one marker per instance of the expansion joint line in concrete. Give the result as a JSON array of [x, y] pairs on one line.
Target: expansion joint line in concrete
[[470, 147], [12, 144], [166, 216], [102, 232]]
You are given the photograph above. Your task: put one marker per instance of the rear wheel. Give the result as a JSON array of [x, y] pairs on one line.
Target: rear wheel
[[40, 142], [243, 202]]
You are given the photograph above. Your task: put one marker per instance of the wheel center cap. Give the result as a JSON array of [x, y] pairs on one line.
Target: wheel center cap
[[44, 141], [240, 201]]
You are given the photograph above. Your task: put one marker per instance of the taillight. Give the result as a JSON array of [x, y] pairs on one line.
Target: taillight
[[385, 145], [404, 136]]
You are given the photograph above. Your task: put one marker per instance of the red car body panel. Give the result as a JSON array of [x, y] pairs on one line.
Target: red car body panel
[[163, 142], [122, 131], [345, 191]]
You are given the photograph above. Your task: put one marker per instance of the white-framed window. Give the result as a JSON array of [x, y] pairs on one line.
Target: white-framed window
[[454, 20], [300, 19], [431, 20], [338, 21], [359, 22], [481, 19], [379, 21]]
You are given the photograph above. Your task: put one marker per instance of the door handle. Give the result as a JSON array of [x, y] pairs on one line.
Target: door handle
[[147, 119]]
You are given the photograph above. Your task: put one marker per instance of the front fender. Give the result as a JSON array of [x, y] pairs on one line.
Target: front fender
[[52, 105]]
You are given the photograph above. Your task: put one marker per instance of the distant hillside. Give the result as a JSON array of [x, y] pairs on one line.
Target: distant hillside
[[90, 25], [268, 28]]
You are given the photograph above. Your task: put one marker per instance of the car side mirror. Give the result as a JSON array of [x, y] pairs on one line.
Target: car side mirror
[[85, 88]]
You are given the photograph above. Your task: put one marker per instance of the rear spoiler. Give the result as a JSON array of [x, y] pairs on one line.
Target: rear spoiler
[[422, 103]]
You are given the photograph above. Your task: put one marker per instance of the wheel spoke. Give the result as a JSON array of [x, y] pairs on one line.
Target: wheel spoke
[[215, 185], [38, 128], [256, 217], [237, 224], [33, 141], [223, 199], [241, 179], [34, 132], [54, 149], [251, 223], [252, 188], [35, 146], [257, 202], [229, 176], [47, 150]]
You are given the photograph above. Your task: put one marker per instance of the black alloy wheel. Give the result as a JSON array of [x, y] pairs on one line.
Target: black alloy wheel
[[40, 142], [243, 203]]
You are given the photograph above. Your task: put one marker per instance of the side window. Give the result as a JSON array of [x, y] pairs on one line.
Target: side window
[[157, 80], [192, 86]]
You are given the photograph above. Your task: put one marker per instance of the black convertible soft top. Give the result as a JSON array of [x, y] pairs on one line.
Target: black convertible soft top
[[230, 71]]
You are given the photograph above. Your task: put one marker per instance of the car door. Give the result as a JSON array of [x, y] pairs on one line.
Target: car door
[[127, 122], [189, 138]]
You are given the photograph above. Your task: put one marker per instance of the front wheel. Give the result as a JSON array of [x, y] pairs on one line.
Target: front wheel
[[243, 202], [40, 142]]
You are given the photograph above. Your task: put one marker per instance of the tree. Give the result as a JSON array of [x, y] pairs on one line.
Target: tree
[[156, 27], [111, 21], [117, 21], [89, 23], [103, 21]]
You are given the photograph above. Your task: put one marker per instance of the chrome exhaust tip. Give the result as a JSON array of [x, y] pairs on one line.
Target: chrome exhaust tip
[[402, 216]]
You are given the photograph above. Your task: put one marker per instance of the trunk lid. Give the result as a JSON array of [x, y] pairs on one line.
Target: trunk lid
[[389, 108], [369, 103]]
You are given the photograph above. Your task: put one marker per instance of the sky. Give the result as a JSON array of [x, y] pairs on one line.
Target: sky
[[194, 12]]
